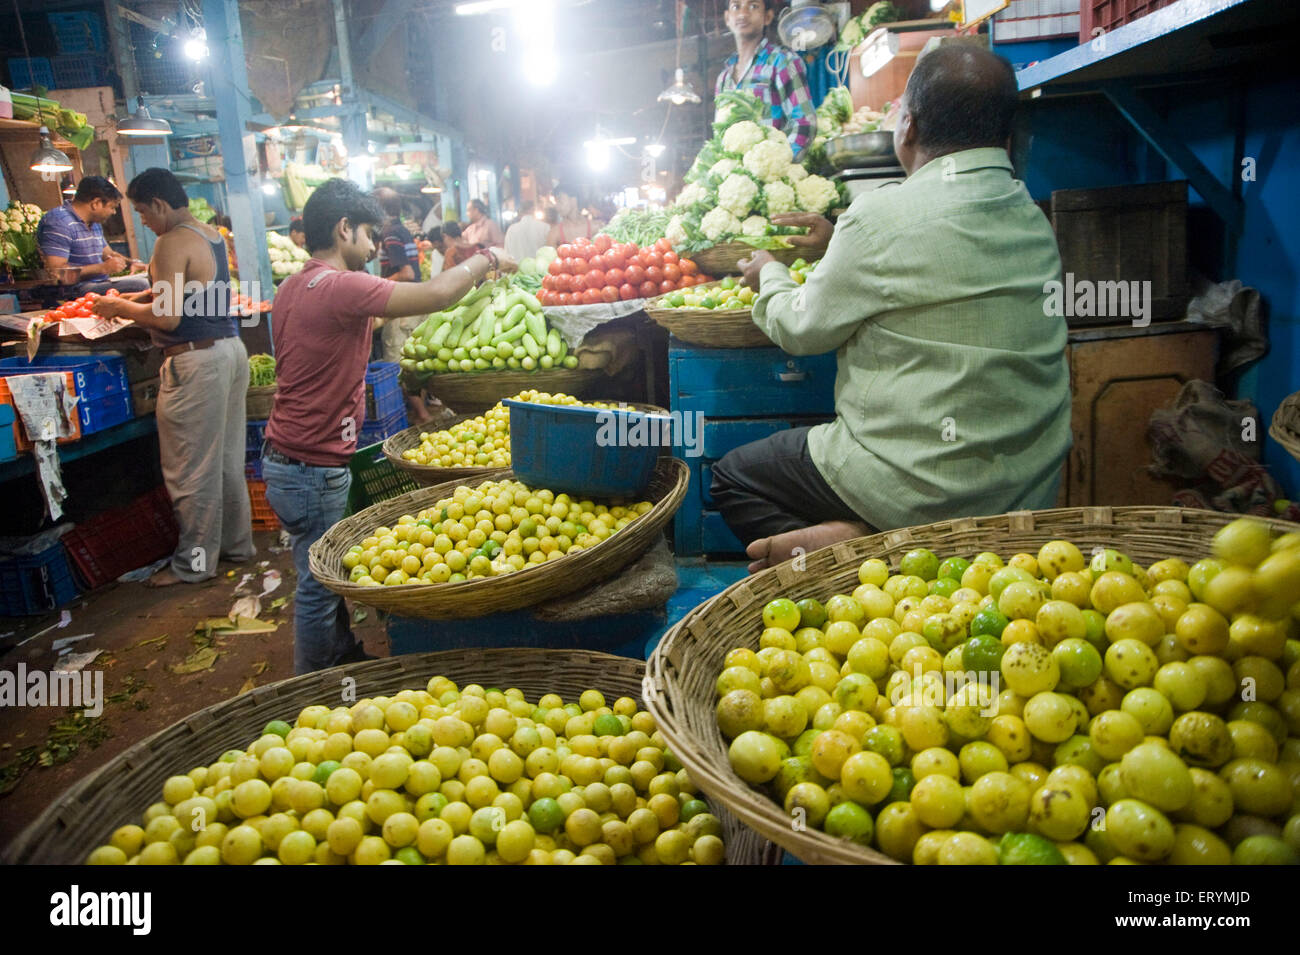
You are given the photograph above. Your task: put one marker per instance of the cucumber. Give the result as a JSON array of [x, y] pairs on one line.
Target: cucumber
[[536, 326], [514, 334], [438, 365], [530, 344], [443, 354], [482, 364], [520, 351], [505, 350], [570, 361], [440, 335], [516, 314], [531, 300], [513, 363], [455, 332], [553, 345]]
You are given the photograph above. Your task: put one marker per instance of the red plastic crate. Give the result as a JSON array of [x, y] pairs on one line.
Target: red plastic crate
[[1109, 14], [114, 542], [264, 518]]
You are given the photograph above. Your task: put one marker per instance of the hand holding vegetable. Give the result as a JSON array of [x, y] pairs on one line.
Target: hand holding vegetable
[[819, 229], [751, 267]]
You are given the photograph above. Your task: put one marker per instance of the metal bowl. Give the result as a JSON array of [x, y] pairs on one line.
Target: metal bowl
[[859, 150], [67, 275]]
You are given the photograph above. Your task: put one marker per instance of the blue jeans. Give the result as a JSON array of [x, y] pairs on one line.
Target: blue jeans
[[309, 501]]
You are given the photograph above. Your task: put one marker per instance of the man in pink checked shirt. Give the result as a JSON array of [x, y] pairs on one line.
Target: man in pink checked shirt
[[775, 75]]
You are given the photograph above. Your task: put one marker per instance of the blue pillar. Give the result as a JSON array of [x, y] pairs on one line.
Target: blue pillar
[[228, 86]]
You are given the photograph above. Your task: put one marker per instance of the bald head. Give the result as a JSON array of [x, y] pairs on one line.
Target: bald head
[[389, 201], [961, 96]]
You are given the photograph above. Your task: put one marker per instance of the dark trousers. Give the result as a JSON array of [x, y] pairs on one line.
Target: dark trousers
[[771, 486]]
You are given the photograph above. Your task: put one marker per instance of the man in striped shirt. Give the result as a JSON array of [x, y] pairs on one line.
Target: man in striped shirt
[[72, 235], [775, 75]]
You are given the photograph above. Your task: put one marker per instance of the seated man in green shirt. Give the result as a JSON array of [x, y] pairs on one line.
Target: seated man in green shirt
[[952, 395]]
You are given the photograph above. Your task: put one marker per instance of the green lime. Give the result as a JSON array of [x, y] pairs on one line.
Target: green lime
[[804, 743], [989, 622], [1263, 850], [920, 563], [848, 820], [943, 586], [1096, 632], [607, 724], [430, 806], [323, 771], [1079, 662], [782, 613], [279, 727], [693, 807], [230, 755], [709, 302], [811, 612], [1025, 848], [982, 654], [409, 856], [953, 568], [901, 791], [885, 741], [546, 815], [677, 300]]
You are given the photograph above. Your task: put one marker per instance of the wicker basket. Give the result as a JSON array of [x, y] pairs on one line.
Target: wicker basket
[[476, 598], [258, 403], [479, 391], [725, 259], [423, 474], [1285, 419], [680, 675], [710, 327], [118, 792]]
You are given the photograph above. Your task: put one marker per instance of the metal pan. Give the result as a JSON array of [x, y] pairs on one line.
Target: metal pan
[[861, 150]]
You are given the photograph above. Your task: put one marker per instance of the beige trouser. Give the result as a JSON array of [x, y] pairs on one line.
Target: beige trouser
[[201, 438], [395, 333]]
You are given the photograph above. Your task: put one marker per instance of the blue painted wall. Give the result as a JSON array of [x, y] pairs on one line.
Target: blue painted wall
[[1083, 142]]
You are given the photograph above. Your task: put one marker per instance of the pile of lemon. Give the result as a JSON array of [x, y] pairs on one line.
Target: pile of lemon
[[482, 441], [498, 527], [441, 775], [1039, 710]]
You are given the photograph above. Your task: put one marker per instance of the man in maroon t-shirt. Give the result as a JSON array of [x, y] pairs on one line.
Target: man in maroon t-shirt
[[322, 343]]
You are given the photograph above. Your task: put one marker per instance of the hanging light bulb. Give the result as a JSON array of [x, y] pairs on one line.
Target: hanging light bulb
[[681, 92], [141, 123], [47, 158]]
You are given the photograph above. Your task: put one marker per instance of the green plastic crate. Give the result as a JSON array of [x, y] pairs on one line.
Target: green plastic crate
[[374, 479]]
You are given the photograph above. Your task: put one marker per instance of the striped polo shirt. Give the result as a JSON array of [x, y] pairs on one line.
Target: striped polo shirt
[[63, 234]]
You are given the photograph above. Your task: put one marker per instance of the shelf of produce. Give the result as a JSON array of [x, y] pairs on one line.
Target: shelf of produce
[[91, 444]]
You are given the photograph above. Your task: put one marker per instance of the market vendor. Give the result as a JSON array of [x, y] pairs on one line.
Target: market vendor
[[73, 235], [572, 222], [952, 394], [322, 341], [482, 229], [296, 235], [202, 428], [775, 75]]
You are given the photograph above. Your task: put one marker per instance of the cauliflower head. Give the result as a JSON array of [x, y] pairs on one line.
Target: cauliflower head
[[723, 168], [816, 194], [737, 193], [755, 226], [718, 223], [742, 136], [692, 194], [770, 159], [780, 197], [676, 232], [796, 173]]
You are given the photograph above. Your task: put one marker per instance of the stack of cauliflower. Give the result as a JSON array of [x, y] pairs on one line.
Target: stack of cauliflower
[[18, 235], [286, 258], [20, 217], [755, 179]]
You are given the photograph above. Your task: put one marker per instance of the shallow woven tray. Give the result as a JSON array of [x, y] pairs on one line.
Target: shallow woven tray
[[258, 403], [479, 391], [725, 259], [709, 327], [680, 674], [1287, 413], [476, 598], [119, 791], [424, 474]]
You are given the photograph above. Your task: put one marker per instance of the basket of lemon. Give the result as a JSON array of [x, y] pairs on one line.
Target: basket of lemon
[[280, 777], [1038, 695], [467, 549], [714, 315]]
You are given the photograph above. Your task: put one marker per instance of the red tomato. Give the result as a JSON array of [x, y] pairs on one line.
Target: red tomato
[[649, 289], [685, 281], [627, 250], [556, 266], [635, 274], [563, 282], [548, 282], [670, 257], [615, 277], [565, 251], [579, 283], [663, 245], [597, 261], [112, 293], [592, 297], [626, 292], [581, 253], [672, 272], [566, 298], [654, 274], [688, 267], [596, 278], [665, 287], [654, 260], [83, 312], [582, 241], [603, 243], [609, 293]]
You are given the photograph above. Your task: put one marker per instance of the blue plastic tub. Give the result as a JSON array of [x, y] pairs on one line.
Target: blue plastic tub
[[383, 391], [36, 583], [596, 452], [8, 447], [376, 430]]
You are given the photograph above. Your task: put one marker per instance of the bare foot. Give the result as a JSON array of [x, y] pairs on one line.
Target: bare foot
[[779, 548], [164, 578]]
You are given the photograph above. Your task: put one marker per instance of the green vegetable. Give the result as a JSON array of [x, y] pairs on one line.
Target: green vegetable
[[554, 345]]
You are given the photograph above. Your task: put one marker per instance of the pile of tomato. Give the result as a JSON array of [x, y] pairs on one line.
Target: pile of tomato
[[591, 271], [82, 307]]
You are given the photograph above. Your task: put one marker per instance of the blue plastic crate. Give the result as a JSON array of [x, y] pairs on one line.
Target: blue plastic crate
[[376, 430], [256, 435], [8, 447], [106, 412], [30, 72], [383, 391], [94, 375], [37, 583], [596, 452], [78, 32], [80, 70]]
